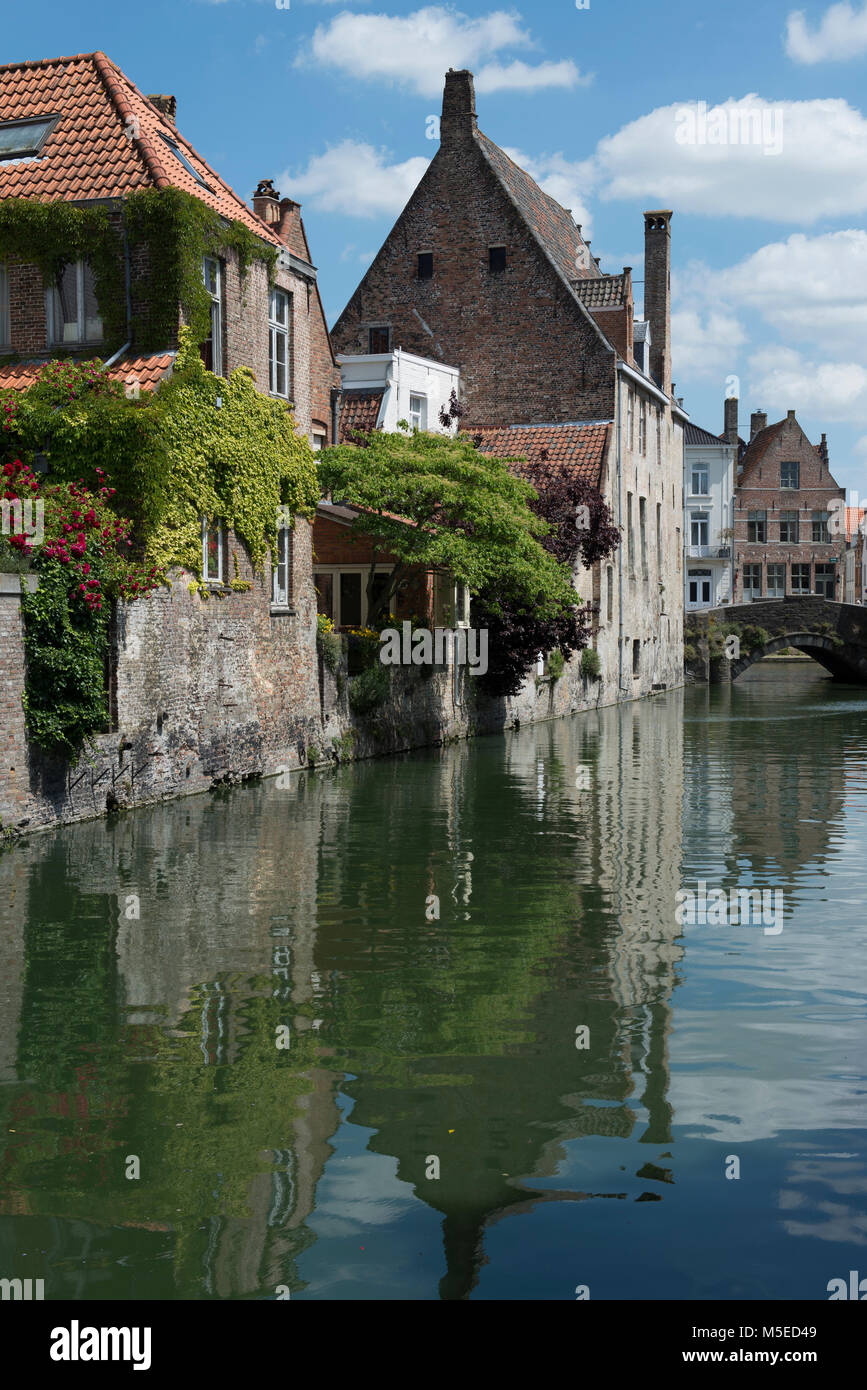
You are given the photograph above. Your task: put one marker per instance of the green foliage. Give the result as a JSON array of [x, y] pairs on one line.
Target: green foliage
[[468, 515], [369, 689], [331, 647], [689, 652], [556, 665], [590, 664]]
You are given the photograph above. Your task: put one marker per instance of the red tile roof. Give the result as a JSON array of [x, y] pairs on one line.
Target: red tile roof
[[147, 371], [609, 291], [359, 410], [758, 447], [106, 143], [579, 449]]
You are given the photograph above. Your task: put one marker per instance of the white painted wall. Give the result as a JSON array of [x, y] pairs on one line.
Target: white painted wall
[[720, 463], [403, 375]]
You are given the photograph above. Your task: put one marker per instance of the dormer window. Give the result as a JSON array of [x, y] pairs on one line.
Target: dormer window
[[25, 139], [73, 313]]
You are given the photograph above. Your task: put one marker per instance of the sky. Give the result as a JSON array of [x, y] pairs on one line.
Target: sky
[[746, 119]]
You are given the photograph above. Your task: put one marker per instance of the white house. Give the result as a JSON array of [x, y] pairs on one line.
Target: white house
[[392, 386], [708, 504]]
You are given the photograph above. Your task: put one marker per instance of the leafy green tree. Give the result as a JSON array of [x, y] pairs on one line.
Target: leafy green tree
[[436, 502]]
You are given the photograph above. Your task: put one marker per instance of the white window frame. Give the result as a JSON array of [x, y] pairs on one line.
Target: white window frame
[[207, 527], [278, 334], [700, 471], [364, 570], [642, 426], [281, 588], [699, 524], [417, 412], [216, 312], [5, 323], [776, 587], [55, 326]]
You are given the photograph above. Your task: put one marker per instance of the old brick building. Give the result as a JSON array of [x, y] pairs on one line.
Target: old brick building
[[784, 501], [484, 270]]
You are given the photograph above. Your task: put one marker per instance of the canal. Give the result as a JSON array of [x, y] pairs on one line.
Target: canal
[[429, 1027]]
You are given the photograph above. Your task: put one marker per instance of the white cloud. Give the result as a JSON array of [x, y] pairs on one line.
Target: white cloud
[[705, 345], [565, 180], [416, 50], [841, 35], [820, 170], [783, 380], [356, 180]]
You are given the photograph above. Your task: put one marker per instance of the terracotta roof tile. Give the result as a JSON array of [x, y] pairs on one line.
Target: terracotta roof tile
[[359, 410], [758, 447], [579, 449], [106, 143], [609, 291], [147, 371]]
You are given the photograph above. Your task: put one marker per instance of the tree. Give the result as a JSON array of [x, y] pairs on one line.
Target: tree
[[437, 503], [580, 524]]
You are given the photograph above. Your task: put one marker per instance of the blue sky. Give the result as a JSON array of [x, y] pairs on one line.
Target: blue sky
[[601, 104]]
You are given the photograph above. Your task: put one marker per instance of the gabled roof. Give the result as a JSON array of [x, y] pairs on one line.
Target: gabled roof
[[608, 292], [759, 445], [148, 372], [578, 449], [107, 141], [552, 225], [694, 434], [359, 410]]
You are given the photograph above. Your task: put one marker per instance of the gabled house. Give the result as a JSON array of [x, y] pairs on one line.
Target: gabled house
[[784, 501], [486, 271], [709, 469]]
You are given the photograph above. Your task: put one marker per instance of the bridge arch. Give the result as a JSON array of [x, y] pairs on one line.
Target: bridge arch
[[839, 660]]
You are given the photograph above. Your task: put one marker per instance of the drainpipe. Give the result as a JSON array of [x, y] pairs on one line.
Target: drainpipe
[[121, 350], [336, 393], [618, 379]]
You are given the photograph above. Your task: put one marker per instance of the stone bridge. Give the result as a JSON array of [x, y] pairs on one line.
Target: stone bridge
[[834, 634]]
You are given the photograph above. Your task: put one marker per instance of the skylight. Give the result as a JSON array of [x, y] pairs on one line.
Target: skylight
[[18, 139], [182, 158]]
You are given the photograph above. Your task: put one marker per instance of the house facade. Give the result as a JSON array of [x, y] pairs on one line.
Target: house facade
[[486, 271], [784, 502], [709, 465]]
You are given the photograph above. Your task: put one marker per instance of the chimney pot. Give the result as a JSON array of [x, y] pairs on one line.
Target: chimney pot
[[266, 202], [790, 414]]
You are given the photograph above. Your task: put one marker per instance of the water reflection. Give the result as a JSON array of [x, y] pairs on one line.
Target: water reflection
[[340, 1034]]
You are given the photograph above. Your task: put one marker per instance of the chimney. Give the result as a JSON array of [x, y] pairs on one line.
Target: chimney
[[266, 202], [167, 105], [657, 294], [730, 426], [458, 123], [790, 414], [758, 421], [288, 223]]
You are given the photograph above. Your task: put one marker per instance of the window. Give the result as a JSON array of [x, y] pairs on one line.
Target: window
[[418, 412], [462, 605], [757, 526], [282, 569], [642, 427], [700, 484], [699, 524], [278, 342], [788, 526], [820, 526], [425, 265], [800, 579], [212, 551], [341, 593], [318, 441], [182, 159], [73, 314], [630, 534], [752, 582], [699, 582], [629, 418], [642, 532], [776, 581], [5, 328], [24, 139], [212, 348], [636, 658], [379, 339], [658, 539], [610, 606], [790, 475], [496, 259]]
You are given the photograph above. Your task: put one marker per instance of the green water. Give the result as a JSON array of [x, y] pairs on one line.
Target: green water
[[432, 1130]]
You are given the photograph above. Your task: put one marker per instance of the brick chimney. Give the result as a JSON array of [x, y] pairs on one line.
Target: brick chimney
[[730, 425], [167, 105], [458, 123], [266, 202], [657, 294], [287, 227], [758, 421]]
